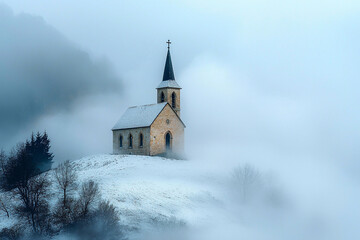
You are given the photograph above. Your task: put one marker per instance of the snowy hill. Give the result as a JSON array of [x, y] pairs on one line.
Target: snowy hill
[[147, 191], [155, 195]]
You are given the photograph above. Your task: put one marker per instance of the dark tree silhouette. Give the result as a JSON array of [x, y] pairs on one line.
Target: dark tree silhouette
[[26, 160], [19, 167], [34, 205], [39, 148], [21, 173], [3, 160]]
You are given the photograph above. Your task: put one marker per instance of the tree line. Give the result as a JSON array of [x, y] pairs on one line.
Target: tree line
[[26, 184]]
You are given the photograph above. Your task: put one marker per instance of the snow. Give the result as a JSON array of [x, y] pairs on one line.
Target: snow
[[169, 84], [139, 116], [6, 222], [146, 190]]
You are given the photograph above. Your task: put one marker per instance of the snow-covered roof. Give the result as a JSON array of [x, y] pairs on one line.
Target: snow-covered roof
[[139, 116], [169, 83]]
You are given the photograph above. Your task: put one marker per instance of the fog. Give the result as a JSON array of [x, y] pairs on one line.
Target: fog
[[43, 73], [273, 84]]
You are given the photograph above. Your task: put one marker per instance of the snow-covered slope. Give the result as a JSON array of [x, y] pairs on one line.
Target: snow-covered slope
[[153, 193], [148, 192], [149, 189]]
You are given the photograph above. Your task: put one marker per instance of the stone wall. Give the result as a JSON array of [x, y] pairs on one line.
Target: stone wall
[[167, 92], [160, 127], [136, 149]]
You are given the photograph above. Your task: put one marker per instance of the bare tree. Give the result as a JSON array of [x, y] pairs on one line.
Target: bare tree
[[4, 208], [66, 178], [21, 177], [247, 180], [101, 223], [105, 220], [34, 206], [89, 193], [108, 213]]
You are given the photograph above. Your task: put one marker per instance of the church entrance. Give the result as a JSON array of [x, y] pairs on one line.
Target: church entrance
[[168, 141]]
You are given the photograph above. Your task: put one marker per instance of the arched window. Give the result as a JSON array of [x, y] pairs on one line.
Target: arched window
[[173, 100], [168, 141], [121, 141], [162, 97], [130, 141], [141, 140]]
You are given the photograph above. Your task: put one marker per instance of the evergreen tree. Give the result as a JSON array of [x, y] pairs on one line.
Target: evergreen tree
[[20, 167], [46, 155], [26, 160], [39, 148], [3, 162]]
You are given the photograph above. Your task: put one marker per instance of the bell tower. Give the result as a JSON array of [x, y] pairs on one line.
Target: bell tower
[[168, 90]]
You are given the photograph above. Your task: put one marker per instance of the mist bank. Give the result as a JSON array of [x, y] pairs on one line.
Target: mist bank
[[42, 73]]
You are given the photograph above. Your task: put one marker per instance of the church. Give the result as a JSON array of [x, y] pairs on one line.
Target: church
[[154, 129]]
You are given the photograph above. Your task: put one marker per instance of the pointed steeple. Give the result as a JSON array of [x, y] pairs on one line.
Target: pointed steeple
[[168, 71]]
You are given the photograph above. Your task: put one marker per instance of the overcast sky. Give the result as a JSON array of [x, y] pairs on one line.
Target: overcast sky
[[274, 83], [283, 75]]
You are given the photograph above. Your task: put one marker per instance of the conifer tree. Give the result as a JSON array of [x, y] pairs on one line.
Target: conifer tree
[[46, 155], [26, 160], [39, 149]]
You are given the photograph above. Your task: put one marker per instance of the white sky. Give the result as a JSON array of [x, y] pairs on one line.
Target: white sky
[[262, 63], [284, 69]]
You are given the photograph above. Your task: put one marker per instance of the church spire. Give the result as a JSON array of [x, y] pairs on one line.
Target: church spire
[[168, 71]]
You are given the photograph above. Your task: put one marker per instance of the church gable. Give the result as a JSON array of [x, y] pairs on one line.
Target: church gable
[[166, 123], [170, 112]]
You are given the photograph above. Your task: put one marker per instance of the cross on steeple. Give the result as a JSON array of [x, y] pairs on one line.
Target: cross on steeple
[[168, 71]]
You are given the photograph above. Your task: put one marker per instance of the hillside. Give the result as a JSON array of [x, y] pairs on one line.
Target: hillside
[[157, 196], [148, 191]]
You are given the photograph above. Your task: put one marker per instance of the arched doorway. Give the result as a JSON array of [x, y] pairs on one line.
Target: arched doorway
[[168, 141]]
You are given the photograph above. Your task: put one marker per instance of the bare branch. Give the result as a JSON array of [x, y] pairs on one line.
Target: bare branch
[[4, 208], [88, 195], [247, 180], [33, 195], [66, 178]]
